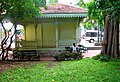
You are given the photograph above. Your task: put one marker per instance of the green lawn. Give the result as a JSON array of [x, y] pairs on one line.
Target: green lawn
[[85, 70]]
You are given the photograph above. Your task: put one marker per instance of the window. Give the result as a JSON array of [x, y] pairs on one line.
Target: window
[[88, 34], [91, 34]]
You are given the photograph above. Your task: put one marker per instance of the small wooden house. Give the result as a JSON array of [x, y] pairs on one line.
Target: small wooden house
[[57, 26]]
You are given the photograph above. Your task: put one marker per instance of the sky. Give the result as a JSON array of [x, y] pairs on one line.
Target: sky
[[73, 1], [70, 1]]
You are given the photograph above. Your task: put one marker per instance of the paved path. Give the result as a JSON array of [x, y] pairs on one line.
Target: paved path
[[91, 53]]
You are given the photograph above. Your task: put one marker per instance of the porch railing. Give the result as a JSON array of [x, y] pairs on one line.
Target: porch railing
[[67, 42]]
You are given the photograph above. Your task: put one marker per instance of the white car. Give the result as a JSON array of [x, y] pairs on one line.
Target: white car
[[92, 36]]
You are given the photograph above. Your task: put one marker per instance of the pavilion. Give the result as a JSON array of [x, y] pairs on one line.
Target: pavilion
[[55, 27]]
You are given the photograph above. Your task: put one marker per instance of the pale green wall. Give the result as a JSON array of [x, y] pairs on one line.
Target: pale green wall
[[39, 35], [49, 35], [46, 34], [67, 31], [30, 37], [30, 32], [67, 34]]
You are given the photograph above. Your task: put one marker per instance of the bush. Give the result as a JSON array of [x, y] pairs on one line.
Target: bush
[[101, 57], [97, 57], [59, 56], [104, 58], [67, 56]]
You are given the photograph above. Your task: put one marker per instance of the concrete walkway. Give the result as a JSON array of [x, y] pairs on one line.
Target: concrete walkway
[[91, 53]]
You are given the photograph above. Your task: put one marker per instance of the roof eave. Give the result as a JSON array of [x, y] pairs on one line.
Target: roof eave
[[62, 15]]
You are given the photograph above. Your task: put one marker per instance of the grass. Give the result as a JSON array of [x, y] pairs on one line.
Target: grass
[[85, 70]]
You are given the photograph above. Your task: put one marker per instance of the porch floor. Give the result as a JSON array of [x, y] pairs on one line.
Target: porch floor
[[62, 48]]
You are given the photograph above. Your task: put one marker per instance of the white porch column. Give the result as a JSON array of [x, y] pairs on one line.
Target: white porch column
[[57, 32], [78, 33], [36, 39], [57, 35], [25, 32], [36, 36]]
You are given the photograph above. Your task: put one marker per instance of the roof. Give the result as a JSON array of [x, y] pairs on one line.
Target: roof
[[61, 10]]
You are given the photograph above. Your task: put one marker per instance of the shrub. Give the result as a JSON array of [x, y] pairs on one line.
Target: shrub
[[59, 56], [104, 58], [101, 57], [97, 57], [67, 56]]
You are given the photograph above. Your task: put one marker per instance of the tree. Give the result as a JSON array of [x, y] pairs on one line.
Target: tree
[[81, 3], [91, 21], [110, 10], [16, 11], [52, 1], [96, 14]]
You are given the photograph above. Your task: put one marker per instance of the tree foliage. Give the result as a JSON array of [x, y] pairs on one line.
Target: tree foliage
[[52, 1], [92, 20], [82, 4], [95, 14], [21, 9], [110, 7]]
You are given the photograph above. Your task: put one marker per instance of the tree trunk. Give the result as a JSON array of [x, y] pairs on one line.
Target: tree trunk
[[3, 43], [116, 40], [110, 44], [105, 37], [4, 53], [110, 37]]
